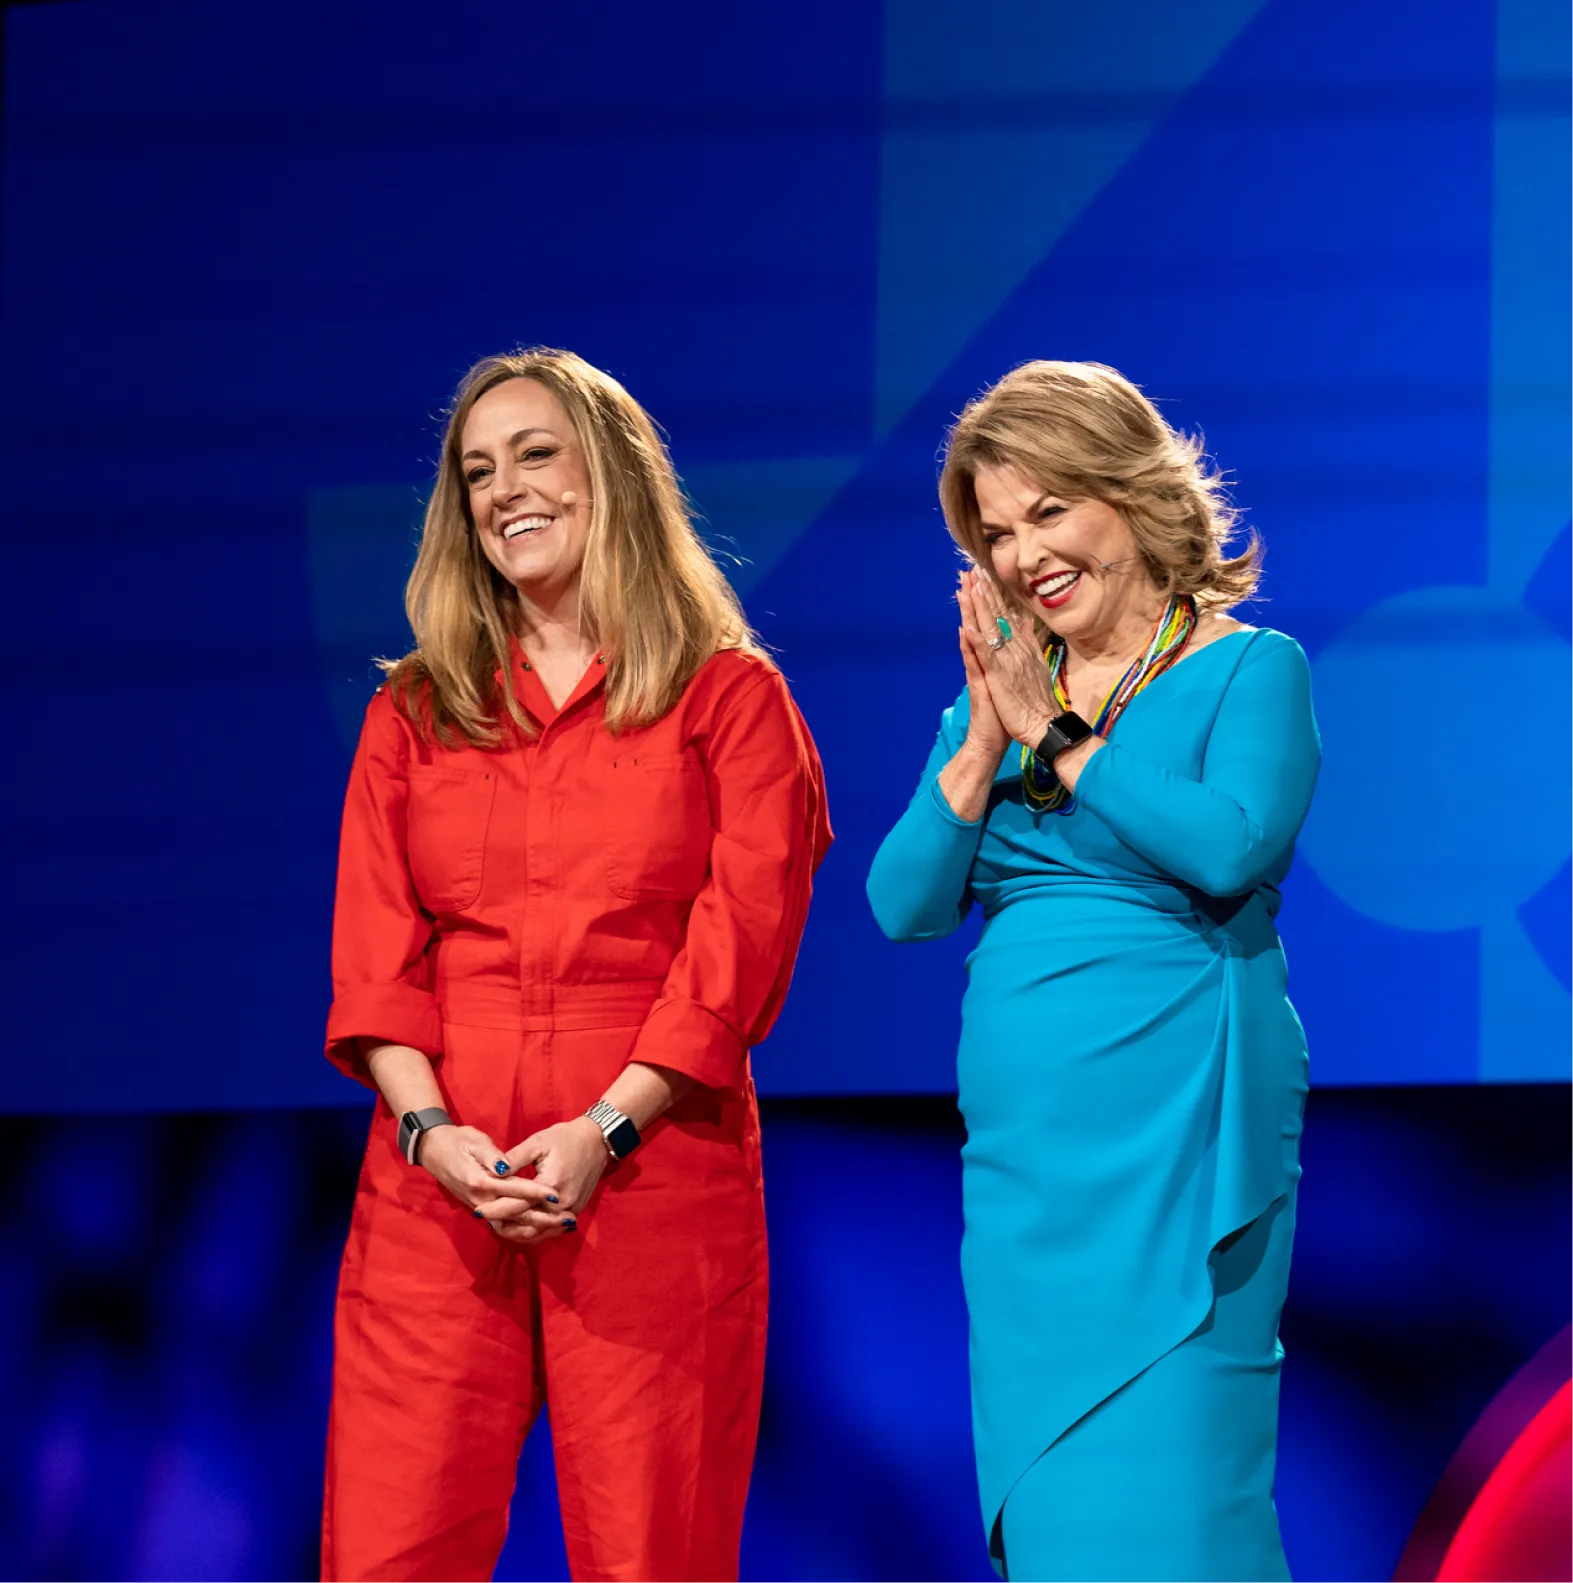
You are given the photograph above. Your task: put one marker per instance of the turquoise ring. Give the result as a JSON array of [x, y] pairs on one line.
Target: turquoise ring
[[1004, 626]]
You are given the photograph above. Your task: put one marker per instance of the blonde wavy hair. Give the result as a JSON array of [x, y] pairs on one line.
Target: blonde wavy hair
[[1084, 432], [649, 593]]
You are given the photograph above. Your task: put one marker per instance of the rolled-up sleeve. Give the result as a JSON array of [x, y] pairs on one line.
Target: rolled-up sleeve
[[381, 971], [727, 984]]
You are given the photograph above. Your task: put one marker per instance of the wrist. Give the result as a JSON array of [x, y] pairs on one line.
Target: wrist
[[617, 1132], [986, 755], [588, 1130], [431, 1151], [416, 1127], [1058, 736], [1036, 726]]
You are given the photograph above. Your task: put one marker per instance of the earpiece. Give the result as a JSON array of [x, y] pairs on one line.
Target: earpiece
[[570, 497]]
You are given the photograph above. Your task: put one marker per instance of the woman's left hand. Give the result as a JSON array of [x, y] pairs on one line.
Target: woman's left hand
[[1018, 679], [568, 1157]]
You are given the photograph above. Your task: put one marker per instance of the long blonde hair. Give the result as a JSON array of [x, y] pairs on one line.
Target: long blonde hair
[[649, 593], [1084, 431]]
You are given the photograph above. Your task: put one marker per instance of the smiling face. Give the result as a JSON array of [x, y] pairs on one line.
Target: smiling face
[[1050, 552], [520, 458]]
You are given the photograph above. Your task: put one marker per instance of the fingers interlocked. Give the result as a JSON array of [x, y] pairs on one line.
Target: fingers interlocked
[[517, 1208], [526, 1216]]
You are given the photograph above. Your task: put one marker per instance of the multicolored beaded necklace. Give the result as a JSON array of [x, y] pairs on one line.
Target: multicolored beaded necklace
[[1175, 626]]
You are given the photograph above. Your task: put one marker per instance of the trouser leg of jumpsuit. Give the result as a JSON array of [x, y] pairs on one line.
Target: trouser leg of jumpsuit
[[644, 1331]]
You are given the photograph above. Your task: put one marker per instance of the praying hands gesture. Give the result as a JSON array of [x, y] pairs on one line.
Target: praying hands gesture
[[1003, 655], [1009, 699]]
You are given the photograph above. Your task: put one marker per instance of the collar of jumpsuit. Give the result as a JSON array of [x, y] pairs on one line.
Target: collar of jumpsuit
[[533, 695]]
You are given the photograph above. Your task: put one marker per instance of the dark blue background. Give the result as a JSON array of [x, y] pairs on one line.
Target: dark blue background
[[246, 253], [168, 1419], [249, 250]]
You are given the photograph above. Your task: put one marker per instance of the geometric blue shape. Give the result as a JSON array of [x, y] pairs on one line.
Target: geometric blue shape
[[1545, 919], [751, 512], [1012, 183], [1381, 1005], [1524, 1010], [1413, 823], [1549, 593]]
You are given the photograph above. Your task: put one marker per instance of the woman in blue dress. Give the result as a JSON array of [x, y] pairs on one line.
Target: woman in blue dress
[[1119, 788]]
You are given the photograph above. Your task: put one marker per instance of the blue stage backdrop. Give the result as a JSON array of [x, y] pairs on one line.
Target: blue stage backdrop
[[248, 250]]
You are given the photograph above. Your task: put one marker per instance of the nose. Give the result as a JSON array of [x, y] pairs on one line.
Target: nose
[[509, 486], [508, 483], [1029, 562]]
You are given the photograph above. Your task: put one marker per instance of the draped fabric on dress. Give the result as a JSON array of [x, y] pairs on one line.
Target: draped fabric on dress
[[1132, 1076]]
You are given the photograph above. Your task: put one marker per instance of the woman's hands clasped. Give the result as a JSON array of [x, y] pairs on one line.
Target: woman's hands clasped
[[1008, 678], [484, 1179], [570, 1156]]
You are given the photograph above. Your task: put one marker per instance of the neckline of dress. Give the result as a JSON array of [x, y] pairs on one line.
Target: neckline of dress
[[1187, 659]]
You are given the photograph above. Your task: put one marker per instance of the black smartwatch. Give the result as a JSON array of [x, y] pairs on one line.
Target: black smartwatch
[[622, 1136], [1065, 731], [414, 1125]]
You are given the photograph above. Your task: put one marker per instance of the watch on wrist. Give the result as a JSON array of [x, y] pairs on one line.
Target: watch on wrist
[[1064, 731], [414, 1125], [622, 1136]]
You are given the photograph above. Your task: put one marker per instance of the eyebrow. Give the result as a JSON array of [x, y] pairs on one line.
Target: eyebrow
[[995, 527], [513, 439]]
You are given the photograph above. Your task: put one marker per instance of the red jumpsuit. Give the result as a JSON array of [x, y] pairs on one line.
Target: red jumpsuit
[[533, 918]]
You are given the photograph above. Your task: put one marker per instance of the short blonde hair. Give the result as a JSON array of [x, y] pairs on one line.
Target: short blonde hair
[[650, 594], [1085, 432]]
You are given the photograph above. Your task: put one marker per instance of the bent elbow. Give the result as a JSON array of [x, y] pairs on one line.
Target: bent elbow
[[1233, 872], [895, 923], [1222, 883], [904, 931], [905, 919]]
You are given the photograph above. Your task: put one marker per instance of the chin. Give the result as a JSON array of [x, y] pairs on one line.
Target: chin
[[527, 564]]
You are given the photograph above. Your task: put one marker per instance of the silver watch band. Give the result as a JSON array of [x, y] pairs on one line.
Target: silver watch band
[[613, 1123], [607, 1117]]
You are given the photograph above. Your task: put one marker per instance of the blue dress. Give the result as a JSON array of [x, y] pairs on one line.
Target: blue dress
[[1133, 1078]]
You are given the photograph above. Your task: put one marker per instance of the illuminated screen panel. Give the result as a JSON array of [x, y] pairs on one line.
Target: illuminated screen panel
[[234, 299]]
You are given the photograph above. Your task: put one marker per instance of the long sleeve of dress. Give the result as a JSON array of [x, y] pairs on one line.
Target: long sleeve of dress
[[1222, 834], [381, 976], [727, 984], [918, 885]]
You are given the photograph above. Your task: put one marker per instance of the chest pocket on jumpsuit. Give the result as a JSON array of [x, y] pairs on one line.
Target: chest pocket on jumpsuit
[[449, 813], [657, 826]]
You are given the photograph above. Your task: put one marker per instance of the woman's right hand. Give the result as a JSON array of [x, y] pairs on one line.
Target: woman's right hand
[[465, 1163], [967, 781], [986, 736]]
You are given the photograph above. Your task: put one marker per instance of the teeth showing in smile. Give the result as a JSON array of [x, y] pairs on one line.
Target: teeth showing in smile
[[526, 525], [1051, 587]]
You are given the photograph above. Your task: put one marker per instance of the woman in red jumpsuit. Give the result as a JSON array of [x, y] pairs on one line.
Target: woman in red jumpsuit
[[578, 847]]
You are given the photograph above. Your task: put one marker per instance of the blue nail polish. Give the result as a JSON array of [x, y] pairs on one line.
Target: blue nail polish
[[551, 1198], [570, 1225], [478, 1215], [502, 1168]]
